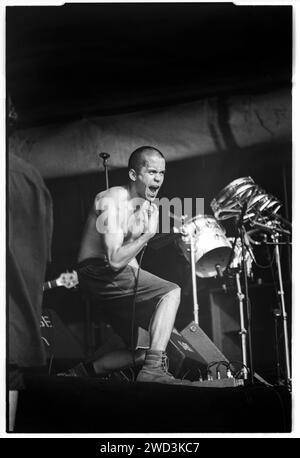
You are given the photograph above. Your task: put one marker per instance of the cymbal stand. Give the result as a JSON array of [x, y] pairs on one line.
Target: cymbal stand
[[242, 232], [194, 281], [243, 332], [242, 268], [275, 237], [188, 240]]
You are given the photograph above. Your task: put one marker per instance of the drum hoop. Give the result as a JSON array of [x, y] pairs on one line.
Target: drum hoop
[[265, 204], [233, 184], [244, 188], [257, 198], [274, 202], [238, 193], [241, 194], [205, 216]]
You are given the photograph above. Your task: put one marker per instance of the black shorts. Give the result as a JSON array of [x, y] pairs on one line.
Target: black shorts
[[113, 292]]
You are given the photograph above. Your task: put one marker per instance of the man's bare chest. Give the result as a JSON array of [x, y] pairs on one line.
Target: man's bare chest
[[133, 225]]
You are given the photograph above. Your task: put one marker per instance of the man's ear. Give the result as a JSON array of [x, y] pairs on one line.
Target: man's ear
[[132, 174]]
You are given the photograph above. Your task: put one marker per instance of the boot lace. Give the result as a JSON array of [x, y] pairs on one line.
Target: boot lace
[[165, 364]]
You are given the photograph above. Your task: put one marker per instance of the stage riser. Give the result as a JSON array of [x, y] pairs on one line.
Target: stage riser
[[73, 405]]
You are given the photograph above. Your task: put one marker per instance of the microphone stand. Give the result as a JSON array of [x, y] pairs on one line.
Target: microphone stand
[[191, 248], [90, 328], [104, 157]]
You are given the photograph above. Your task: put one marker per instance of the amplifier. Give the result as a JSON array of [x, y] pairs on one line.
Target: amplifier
[[58, 339]]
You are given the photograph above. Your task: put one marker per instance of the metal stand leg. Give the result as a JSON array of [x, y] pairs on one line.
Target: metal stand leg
[[247, 301], [277, 315], [284, 315], [243, 331], [194, 283]]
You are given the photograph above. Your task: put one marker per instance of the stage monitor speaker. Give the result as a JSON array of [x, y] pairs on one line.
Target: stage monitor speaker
[[191, 351]]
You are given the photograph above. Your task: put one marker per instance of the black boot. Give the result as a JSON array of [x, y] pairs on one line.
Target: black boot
[[155, 369]]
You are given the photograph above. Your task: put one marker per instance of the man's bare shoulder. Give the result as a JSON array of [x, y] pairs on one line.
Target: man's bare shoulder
[[116, 194]]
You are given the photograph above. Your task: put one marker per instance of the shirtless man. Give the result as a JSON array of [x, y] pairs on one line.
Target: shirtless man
[[122, 221]]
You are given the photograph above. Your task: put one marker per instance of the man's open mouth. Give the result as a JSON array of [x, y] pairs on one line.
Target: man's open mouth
[[153, 189]]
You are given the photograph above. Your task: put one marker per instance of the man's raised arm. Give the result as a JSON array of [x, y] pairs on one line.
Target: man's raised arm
[[109, 225]]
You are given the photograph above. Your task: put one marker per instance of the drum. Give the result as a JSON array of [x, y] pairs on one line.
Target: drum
[[212, 248], [244, 191], [230, 200]]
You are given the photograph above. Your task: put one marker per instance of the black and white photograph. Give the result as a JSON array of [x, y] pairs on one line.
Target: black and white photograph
[[149, 216]]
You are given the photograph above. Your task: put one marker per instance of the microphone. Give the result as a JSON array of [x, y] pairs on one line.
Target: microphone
[[221, 277], [104, 156], [149, 209], [149, 215]]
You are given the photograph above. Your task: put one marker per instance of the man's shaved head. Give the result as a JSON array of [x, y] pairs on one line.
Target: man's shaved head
[[138, 157]]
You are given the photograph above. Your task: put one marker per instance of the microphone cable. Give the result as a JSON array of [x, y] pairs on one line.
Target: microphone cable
[[134, 298], [133, 306]]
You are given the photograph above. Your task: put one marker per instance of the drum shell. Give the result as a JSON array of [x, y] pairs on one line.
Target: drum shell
[[210, 243]]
